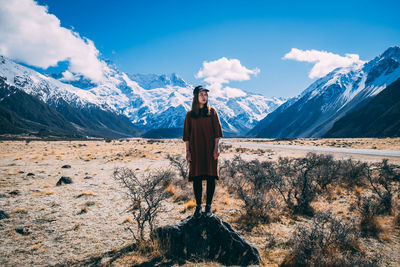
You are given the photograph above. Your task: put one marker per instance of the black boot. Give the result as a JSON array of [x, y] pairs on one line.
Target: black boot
[[197, 212], [209, 210]]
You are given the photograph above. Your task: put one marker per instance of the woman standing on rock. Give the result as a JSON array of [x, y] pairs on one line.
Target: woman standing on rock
[[201, 133]]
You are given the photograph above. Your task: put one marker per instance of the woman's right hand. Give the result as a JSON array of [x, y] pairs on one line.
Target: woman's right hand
[[188, 157]]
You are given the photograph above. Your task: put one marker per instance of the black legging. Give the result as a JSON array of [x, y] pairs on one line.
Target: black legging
[[198, 188]]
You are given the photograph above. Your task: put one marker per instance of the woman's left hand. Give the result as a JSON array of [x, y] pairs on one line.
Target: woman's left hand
[[216, 154]]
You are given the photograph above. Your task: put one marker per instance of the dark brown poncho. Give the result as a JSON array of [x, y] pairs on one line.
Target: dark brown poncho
[[201, 133]]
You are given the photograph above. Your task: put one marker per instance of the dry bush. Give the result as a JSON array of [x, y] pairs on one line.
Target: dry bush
[[396, 219], [297, 182], [180, 164], [326, 170], [229, 168], [180, 181], [326, 241], [146, 195], [368, 208], [152, 141], [384, 180], [225, 147], [352, 173], [251, 182]]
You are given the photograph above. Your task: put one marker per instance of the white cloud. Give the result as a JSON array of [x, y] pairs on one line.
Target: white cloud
[[224, 70], [28, 33], [233, 92], [324, 61]]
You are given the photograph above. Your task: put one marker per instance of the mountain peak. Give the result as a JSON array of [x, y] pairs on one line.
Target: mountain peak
[[152, 81], [392, 52]]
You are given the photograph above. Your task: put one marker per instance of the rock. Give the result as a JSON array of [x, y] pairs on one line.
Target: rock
[[64, 180], [4, 215], [14, 192], [2, 195], [66, 166], [88, 177], [30, 174], [22, 231], [206, 238]]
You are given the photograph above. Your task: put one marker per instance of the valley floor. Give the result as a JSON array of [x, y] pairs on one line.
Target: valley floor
[[73, 222]]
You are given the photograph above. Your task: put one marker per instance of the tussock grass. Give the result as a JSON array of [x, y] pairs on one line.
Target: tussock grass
[[191, 204]]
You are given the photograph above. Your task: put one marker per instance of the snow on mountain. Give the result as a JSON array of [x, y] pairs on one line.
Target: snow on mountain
[[150, 101], [317, 108], [152, 81], [43, 87]]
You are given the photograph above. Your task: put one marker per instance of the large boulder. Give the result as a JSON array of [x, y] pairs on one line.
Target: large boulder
[[206, 238]]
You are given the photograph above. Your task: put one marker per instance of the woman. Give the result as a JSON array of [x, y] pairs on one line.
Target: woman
[[201, 133]]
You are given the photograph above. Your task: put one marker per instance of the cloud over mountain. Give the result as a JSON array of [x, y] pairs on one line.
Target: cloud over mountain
[[29, 34], [224, 70], [325, 62]]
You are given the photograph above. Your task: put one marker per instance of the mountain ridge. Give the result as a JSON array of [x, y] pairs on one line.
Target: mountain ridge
[[314, 111]]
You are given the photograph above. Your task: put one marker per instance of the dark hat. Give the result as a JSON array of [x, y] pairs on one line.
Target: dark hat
[[198, 89]]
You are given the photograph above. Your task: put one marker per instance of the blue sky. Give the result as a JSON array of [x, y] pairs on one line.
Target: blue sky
[[178, 36]]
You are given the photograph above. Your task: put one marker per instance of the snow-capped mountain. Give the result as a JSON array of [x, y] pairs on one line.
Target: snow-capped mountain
[[149, 101], [378, 118], [316, 109], [32, 103]]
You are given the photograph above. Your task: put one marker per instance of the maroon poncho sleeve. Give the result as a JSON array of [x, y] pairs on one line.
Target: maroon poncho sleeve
[[186, 127], [216, 124]]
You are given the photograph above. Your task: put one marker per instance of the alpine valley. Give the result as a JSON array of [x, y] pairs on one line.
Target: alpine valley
[[122, 105], [348, 102]]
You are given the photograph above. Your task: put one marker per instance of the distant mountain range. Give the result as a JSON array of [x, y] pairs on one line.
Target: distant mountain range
[[357, 101], [347, 102], [153, 104]]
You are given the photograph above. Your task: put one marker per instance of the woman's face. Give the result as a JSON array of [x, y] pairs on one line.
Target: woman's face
[[203, 97]]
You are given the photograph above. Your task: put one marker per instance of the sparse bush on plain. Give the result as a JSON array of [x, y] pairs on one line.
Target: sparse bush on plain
[[146, 194], [326, 170], [229, 168], [396, 219], [368, 208], [180, 164], [297, 182], [383, 178], [152, 141], [352, 173], [225, 147], [250, 181], [326, 241]]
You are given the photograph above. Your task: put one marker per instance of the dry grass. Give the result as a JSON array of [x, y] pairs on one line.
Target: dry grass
[[22, 210], [191, 204], [170, 189], [43, 193], [57, 210], [128, 220]]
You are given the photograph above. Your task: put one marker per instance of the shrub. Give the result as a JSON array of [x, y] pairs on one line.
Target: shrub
[[352, 173], [297, 183], [251, 181], [383, 178], [229, 168], [326, 241], [368, 208], [180, 164], [326, 170], [146, 195], [225, 147]]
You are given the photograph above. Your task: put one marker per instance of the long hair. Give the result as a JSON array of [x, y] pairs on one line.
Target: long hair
[[196, 111]]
